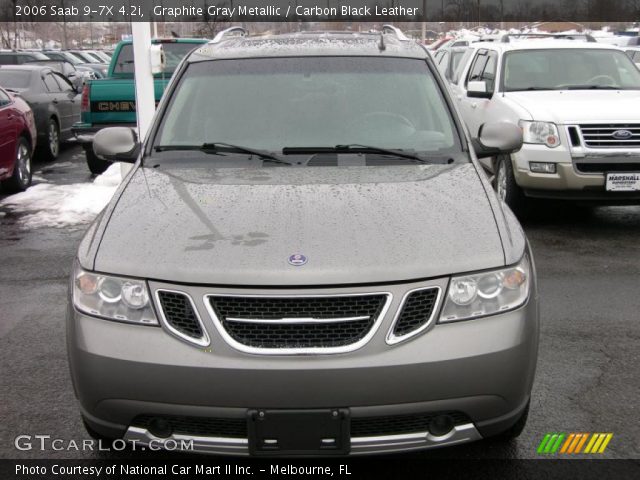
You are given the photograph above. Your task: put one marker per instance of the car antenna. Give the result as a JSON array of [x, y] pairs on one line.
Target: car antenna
[[381, 46]]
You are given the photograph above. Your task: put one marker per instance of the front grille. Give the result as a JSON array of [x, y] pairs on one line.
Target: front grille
[[607, 167], [179, 313], [198, 426], [298, 322], [237, 427], [399, 424], [604, 135], [416, 311]]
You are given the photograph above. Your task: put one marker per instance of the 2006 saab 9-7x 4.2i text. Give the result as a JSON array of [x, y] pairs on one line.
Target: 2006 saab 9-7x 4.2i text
[[305, 260]]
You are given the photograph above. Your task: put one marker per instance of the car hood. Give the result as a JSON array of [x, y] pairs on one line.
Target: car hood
[[229, 226], [579, 106]]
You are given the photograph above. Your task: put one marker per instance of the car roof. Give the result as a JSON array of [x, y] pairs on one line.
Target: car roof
[[543, 43], [310, 44]]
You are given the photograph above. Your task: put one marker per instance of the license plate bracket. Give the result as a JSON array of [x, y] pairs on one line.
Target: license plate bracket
[[299, 432], [622, 182]]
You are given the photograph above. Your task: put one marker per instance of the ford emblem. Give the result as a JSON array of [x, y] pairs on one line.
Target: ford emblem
[[622, 134], [297, 260]]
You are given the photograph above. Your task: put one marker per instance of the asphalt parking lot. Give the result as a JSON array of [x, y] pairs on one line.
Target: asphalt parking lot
[[588, 378]]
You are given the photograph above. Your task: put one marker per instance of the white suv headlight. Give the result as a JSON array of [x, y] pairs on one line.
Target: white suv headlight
[[114, 298], [545, 133], [487, 293]]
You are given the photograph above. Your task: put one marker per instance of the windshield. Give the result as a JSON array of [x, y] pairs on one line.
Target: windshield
[[14, 78], [275, 103], [173, 54], [576, 68]]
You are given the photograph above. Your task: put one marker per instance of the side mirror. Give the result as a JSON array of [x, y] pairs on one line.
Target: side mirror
[[157, 59], [116, 144], [497, 139], [478, 89]]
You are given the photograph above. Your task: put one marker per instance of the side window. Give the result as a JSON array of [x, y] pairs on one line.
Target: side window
[[51, 84], [65, 86], [4, 99], [457, 70], [7, 59], [475, 72], [489, 73]]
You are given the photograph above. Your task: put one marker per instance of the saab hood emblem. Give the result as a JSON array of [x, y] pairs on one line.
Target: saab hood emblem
[[297, 260], [622, 134]]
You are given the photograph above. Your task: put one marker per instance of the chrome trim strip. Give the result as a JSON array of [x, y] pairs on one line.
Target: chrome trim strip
[[392, 339], [204, 341], [294, 321], [223, 445], [359, 445], [414, 441], [297, 351]]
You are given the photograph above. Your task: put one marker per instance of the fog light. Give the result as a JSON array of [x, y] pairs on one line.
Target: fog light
[[160, 427], [542, 167], [440, 425]]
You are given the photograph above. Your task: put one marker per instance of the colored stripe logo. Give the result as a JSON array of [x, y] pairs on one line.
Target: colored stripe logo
[[574, 443]]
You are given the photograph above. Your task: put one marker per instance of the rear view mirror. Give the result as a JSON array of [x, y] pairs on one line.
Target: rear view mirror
[[497, 138], [116, 144], [478, 89]]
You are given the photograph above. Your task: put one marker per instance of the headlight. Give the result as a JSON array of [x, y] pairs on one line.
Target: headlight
[[545, 133], [114, 298], [487, 293]]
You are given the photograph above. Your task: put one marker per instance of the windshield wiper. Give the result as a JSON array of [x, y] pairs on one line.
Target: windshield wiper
[[591, 87], [353, 148], [219, 147]]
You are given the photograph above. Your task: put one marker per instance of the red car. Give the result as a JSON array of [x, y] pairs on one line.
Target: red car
[[17, 141]]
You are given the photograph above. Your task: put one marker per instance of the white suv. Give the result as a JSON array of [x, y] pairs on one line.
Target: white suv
[[578, 104]]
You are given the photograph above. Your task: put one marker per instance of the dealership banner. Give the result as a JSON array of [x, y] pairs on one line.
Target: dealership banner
[[409, 467], [315, 10]]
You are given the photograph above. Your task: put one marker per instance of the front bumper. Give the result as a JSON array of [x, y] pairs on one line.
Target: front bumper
[[567, 183], [483, 368]]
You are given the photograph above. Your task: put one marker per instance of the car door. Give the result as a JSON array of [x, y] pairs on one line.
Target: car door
[[69, 103], [8, 125], [483, 68]]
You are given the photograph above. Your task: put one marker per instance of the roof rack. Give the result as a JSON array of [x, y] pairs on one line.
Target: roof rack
[[396, 31], [223, 33], [506, 38]]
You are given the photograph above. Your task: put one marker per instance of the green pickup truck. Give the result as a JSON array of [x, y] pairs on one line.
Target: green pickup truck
[[111, 101]]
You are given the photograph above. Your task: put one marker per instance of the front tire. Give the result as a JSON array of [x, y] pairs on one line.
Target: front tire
[[507, 188], [96, 165], [21, 178]]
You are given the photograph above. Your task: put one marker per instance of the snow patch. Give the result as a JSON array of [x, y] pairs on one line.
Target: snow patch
[[48, 205]]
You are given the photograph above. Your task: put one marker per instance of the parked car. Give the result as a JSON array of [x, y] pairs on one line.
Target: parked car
[[577, 104], [17, 141], [99, 69], [111, 101], [54, 100], [347, 269]]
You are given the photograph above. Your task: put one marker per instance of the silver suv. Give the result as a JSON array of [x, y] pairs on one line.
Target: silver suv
[[305, 259]]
